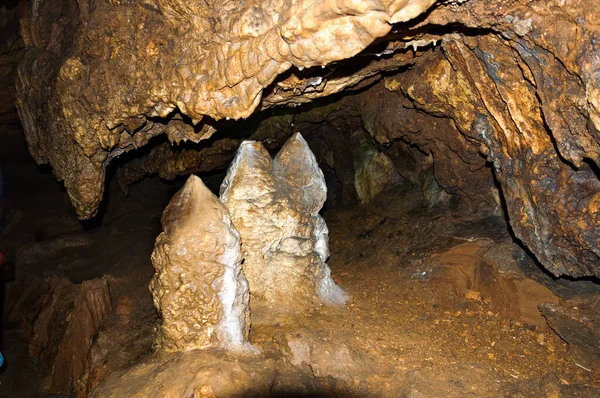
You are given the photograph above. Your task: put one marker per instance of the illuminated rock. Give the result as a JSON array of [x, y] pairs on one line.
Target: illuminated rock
[[199, 287], [275, 205]]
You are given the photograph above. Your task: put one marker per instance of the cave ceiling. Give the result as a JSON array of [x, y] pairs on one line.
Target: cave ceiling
[[511, 83]]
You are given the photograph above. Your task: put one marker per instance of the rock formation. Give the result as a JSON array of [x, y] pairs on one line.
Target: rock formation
[[516, 82], [199, 287], [60, 320], [275, 205], [122, 57], [373, 169]]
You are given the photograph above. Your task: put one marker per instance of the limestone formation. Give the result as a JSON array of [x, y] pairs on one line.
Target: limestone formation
[[98, 76], [61, 321], [552, 206], [515, 81], [199, 287], [275, 205]]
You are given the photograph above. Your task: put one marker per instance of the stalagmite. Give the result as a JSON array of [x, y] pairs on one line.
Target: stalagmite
[[275, 205], [199, 287]]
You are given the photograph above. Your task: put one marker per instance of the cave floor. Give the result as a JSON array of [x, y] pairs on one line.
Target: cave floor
[[423, 320]]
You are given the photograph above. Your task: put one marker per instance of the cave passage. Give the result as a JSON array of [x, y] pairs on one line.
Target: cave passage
[[443, 299], [387, 199]]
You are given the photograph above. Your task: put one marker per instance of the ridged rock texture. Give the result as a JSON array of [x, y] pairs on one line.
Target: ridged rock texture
[[199, 287], [275, 206], [516, 82], [98, 74], [61, 320]]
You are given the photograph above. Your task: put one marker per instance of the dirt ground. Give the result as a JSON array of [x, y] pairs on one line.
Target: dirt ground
[[442, 304]]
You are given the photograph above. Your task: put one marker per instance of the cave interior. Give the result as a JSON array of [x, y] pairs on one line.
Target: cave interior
[[459, 142]]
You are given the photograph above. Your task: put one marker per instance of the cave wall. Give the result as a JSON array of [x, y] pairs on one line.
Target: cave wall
[[550, 204], [517, 83]]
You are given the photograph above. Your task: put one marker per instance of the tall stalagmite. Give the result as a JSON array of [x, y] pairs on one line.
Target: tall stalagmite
[[199, 287], [275, 205]]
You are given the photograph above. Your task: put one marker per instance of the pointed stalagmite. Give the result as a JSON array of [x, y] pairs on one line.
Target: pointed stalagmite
[[275, 205], [199, 288]]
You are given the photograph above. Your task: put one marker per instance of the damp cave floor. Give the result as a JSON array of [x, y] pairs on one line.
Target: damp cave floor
[[407, 330]]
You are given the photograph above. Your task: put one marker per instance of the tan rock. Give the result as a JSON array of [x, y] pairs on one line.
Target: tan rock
[[204, 59], [196, 374], [199, 287], [374, 170], [524, 90], [275, 204], [124, 306]]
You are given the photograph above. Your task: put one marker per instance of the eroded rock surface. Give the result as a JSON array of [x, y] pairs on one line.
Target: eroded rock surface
[[373, 170], [551, 205], [113, 68], [483, 270], [192, 374], [199, 287], [275, 205], [517, 82], [60, 320]]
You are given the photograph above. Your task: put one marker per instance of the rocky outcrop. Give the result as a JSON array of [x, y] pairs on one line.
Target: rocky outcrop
[[11, 49], [577, 325], [192, 374], [91, 306], [275, 205], [485, 271], [169, 163], [199, 288], [551, 205], [373, 170]]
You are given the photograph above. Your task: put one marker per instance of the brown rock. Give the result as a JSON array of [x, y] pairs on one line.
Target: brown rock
[[483, 270], [124, 306], [552, 206], [91, 306], [516, 81], [64, 319], [112, 74], [192, 374], [576, 326]]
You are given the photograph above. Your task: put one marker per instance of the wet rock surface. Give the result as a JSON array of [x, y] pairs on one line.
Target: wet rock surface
[[119, 78]]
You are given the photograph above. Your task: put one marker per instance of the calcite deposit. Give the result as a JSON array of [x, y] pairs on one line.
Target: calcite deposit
[[100, 75], [199, 287], [275, 206], [516, 82], [373, 170]]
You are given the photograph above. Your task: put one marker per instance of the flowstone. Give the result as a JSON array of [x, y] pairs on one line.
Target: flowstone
[[275, 205], [199, 287]]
